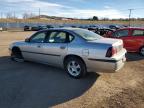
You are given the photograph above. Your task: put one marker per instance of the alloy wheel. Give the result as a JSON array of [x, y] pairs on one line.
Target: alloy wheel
[[74, 68]]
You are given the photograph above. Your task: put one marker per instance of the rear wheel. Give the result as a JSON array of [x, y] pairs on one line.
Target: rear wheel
[[142, 51], [16, 55], [75, 67]]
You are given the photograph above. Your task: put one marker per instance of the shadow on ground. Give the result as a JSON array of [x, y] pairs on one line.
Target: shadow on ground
[[134, 57], [33, 85]]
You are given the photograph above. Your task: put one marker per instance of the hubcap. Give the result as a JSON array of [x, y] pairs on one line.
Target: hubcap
[[142, 51], [74, 68]]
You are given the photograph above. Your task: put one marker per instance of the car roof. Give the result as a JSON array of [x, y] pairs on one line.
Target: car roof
[[132, 28], [63, 29]]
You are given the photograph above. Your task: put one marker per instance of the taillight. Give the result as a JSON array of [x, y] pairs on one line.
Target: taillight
[[111, 51]]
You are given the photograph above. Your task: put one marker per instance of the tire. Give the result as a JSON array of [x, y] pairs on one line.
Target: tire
[[16, 55], [75, 67], [142, 51]]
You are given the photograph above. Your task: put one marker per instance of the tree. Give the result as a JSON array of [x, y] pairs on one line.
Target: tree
[[9, 15], [25, 15], [28, 15], [95, 18]]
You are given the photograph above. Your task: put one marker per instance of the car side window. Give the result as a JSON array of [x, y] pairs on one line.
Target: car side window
[[138, 33], [71, 38], [121, 33], [38, 38], [57, 37]]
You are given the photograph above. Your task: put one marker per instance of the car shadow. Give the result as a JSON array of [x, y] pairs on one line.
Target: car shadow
[[134, 57], [33, 85]]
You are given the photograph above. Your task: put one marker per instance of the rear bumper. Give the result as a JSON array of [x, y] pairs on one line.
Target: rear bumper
[[119, 64], [98, 65]]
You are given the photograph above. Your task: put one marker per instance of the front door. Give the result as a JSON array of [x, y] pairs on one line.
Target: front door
[[32, 50], [55, 47]]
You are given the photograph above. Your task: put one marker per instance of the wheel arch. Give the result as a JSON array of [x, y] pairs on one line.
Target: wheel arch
[[73, 55], [141, 48], [15, 48]]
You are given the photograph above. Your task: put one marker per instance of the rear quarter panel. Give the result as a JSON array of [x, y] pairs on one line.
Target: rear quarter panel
[[88, 50]]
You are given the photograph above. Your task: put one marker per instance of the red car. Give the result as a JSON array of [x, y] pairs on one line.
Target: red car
[[133, 38]]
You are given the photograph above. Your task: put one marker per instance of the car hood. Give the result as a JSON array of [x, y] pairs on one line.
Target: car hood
[[18, 42]]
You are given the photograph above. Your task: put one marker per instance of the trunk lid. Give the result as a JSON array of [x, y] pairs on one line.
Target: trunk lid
[[109, 41], [116, 44]]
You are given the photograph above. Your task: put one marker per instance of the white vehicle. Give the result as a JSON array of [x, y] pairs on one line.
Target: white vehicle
[[78, 51]]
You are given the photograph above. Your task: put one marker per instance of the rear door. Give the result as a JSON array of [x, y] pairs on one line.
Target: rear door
[[55, 47], [138, 37]]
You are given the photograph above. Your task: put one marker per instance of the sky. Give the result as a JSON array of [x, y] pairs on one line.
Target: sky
[[74, 8]]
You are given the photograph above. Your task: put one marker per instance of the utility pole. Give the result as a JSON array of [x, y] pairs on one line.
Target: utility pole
[[130, 11], [39, 13]]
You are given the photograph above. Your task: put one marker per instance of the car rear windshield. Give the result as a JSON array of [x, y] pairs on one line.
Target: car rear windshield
[[87, 35]]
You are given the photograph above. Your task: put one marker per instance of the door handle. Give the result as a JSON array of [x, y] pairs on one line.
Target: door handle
[[62, 47]]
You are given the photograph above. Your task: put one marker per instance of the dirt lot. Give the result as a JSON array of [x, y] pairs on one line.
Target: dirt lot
[[32, 85]]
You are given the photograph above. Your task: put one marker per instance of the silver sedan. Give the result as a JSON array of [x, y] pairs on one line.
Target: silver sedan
[[78, 51]]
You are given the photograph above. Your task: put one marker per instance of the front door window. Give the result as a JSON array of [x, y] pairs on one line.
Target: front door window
[[38, 38]]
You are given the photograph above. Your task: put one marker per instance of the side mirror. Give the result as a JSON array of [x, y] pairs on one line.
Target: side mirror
[[27, 40]]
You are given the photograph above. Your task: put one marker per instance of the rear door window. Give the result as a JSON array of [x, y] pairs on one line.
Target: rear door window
[[57, 37], [138, 33]]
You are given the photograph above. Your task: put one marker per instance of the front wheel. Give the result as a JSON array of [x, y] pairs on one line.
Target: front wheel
[[17, 56], [142, 51], [75, 67]]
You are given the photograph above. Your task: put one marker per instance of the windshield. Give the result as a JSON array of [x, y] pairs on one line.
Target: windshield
[[87, 35]]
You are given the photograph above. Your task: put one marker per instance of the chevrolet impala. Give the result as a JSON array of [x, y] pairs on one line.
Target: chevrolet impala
[[76, 50]]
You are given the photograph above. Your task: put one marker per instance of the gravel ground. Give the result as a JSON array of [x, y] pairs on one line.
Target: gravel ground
[[33, 85]]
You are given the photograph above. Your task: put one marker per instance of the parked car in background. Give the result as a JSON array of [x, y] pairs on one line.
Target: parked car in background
[[49, 26], [104, 31], [43, 27], [76, 50], [73, 26], [84, 27], [35, 28], [132, 37], [61, 26], [114, 27], [27, 28], [93, 28]]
